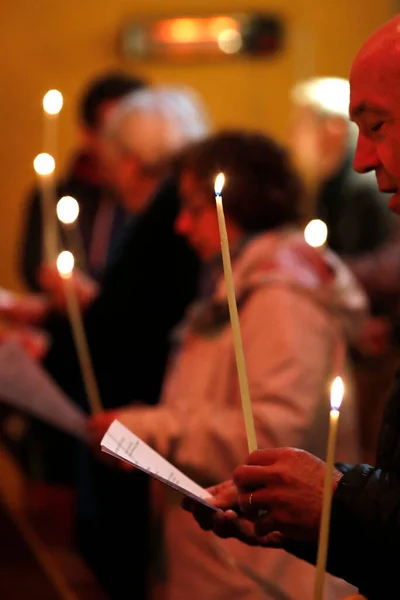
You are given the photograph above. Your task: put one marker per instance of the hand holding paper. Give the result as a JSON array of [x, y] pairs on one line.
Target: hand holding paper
[[122, 443]]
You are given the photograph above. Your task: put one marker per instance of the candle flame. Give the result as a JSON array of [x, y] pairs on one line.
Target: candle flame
[[316, 233], [53, 102], [337, 392], [65, 263], [219, 184], [44, 164], [67, 210]]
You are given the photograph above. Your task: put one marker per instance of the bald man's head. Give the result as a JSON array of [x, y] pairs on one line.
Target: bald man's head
[[375, 107], [386, 38]]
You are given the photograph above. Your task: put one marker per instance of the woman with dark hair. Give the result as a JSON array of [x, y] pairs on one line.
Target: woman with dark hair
[[295, 306]]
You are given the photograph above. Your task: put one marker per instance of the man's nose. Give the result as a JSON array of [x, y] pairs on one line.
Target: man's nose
[[366, 157]]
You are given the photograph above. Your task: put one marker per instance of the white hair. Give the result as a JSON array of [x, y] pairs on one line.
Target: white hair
[[329, 96], [180, 105]]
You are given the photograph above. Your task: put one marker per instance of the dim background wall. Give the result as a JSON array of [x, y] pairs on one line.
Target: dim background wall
[[58, 43]]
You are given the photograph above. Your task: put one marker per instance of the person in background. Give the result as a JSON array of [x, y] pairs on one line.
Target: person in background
[[143, 295], [102, 219], [322, 141], [293, 314]]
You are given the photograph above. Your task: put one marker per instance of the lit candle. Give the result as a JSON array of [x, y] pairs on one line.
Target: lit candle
[[67, 213], [337, 392], [44, 166], [233, 312], [316, 233], [65, 266], [52, 105]]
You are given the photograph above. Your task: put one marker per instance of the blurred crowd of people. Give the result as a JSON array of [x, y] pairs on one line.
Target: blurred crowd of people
[[154, 302]]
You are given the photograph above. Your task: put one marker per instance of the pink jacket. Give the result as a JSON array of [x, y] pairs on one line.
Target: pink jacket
[[295, 305]]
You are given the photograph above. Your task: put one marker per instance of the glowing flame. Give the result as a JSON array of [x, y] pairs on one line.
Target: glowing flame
[[337, 392], [67, 210], [184, 30], [230, 41], [65, 263], [53, 102], [219, 184], [44, 164], [316, 233]]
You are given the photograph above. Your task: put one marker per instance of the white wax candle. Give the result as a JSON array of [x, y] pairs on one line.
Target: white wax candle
[[237, 338], [67, 213], [337, 392], [52, 105], [65, 266], [44, 166]]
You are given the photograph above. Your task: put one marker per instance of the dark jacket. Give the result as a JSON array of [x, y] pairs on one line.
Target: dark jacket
[[364, 546], [144, 296], [355, 212], [82, 183]]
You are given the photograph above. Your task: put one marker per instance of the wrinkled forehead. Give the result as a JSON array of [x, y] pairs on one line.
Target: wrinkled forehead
[[149, 135]]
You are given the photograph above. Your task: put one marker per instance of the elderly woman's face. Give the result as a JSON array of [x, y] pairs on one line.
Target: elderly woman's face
[[136, 158]]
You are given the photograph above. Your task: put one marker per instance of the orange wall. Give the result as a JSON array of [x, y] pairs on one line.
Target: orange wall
[[58, 43]]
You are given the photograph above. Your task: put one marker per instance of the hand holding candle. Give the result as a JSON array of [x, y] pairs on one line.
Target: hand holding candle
[[65, 266], [337, 392], [237, 338]]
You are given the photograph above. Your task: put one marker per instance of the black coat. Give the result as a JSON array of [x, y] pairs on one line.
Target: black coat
[[144, 296]]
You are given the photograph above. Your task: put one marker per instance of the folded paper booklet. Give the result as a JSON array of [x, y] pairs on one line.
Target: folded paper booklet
[[123, 444]]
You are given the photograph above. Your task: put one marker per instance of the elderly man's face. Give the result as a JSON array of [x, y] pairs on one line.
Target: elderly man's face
[[375, 108], [136, 156], [318, 143]]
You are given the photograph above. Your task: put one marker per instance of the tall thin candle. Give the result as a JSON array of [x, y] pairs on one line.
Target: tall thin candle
[[44, 166], [52, 105], [68, 213], [337, 392], [233, 311], [65, 266]]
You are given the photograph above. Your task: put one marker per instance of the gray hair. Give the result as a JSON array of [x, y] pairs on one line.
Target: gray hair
[[329, 96], [181, 105]]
